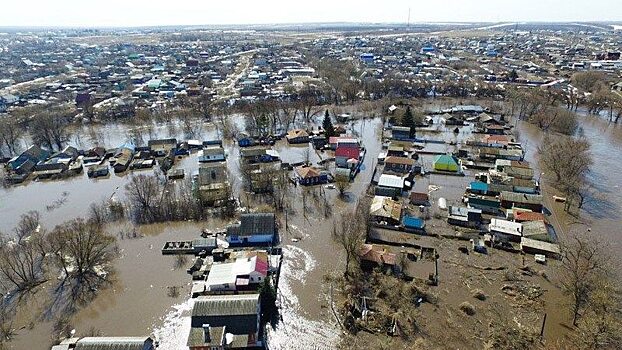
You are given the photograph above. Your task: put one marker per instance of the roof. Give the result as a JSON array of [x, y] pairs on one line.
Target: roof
[[296, 133], [528, 216], [393, 181], [226, 305], [370, 252], [505, 227], [413, 222], [479, 186], [385, 207], [347, 152], [114, 343], [226, 273], [197, 337], [535, 228], [255, 223], [539, 245], [419, 196], [399, 160], [521, 197], [307, 172], [445, 159]]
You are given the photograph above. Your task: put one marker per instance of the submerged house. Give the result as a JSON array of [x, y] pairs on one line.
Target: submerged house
[[348, 153], [401, 165], [465, 217], [161, 147], [389, 186], [400, 133], [297, 136], [213, 182], [211, 154], [28, 159], [225, 321], [311, 176], [531, 202], [254, 229]]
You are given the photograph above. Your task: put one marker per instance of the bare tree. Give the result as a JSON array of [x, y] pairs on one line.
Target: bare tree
[[144, 193], [50, 127], [566, 157], [28, 224], [21, 264], [342, 183], [601, 322], [84, 252], [350, 232], [583, 262], [10, 134]]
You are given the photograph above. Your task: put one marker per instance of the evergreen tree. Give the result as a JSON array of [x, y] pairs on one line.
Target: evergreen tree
[[409, 121], [513, 75], [327, 124]]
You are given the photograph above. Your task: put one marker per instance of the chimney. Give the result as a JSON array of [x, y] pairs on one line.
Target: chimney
[[207, 339]]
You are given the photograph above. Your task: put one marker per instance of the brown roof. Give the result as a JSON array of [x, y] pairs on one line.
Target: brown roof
[[369, 252], [296, 133], [307, 172], [399, 160], [419, 196], [528, 216]]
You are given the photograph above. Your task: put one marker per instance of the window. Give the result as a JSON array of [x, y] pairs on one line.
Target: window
[[213, 175]]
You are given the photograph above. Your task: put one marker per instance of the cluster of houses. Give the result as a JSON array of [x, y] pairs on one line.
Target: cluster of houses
[[258, 158], [227, 277]]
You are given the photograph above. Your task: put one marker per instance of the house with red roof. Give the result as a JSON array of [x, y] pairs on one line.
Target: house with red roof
[[348, 153], [373, 256]]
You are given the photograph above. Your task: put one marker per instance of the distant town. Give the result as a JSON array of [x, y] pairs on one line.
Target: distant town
[[325, 186]]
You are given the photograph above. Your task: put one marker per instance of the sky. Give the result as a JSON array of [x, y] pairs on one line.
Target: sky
[[126, 13]]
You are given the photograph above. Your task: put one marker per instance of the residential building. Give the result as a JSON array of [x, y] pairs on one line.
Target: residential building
[[253, 229], [225, 321]]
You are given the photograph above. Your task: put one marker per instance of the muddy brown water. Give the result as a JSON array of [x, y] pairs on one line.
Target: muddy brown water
[[138, 303], [601, 216]]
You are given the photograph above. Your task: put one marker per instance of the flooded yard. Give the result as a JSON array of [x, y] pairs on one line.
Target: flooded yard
[[138, 301]]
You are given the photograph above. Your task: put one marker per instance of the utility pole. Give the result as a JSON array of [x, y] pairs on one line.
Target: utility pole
[[408, 22]]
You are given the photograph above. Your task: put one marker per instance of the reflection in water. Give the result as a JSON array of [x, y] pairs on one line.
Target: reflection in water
[[601, 214]]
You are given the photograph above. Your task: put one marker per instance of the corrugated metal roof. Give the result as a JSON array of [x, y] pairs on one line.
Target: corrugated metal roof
[[393, 181], [114, 343], [226, 305]]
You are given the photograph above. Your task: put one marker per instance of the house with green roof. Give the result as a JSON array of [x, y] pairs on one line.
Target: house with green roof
[[446, 162]]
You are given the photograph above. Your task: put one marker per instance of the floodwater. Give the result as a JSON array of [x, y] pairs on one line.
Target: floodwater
[[602, 216], [137, 303]]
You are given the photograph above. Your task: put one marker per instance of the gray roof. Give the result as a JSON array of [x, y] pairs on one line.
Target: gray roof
[[521, 198], [252, 224], [197, 336], [115, 343], [226, 305]]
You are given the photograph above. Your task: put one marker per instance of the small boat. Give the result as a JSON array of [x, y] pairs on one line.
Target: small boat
[[559, 199]]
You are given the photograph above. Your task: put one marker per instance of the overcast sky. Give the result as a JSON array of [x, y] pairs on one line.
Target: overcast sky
[[204, 12]]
